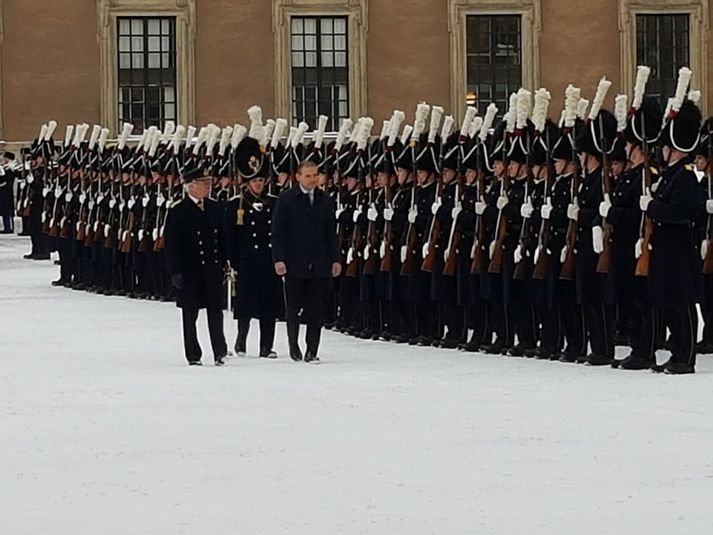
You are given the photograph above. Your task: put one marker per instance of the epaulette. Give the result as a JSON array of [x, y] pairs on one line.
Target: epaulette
[[653, 170], [174, 203], [689, 167]]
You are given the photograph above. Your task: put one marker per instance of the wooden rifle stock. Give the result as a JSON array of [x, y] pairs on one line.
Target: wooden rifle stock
[[643, 264]]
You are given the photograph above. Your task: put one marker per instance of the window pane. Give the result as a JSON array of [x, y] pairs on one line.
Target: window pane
[[493, 58], [147, 75], [319, 74], [663, 44]]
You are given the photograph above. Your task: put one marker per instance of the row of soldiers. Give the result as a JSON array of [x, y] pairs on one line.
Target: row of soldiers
[[523, 236]]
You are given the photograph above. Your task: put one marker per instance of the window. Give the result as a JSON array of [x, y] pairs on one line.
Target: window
[[494, 59], [320, 70], [662, 43], [147, 70]]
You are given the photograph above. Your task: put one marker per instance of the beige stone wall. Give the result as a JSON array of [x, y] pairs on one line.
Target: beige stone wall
[[50, 57]]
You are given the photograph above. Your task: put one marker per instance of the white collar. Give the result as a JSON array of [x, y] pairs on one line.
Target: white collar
[[309, 192], [194, 199]]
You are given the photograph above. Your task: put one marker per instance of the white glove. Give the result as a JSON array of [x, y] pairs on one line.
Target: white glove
[[57, 191], [388, 214], [412, 216], [605, 206], [68, 196], [366, 252], [526, 210], [404, 253], [100, 198], [145, 201], [573, 212], [638, 248], [160, 200], [502, 202], [435, 206], [356, 214], [141, 234], [91, 204], [709, 206], [518, 254], [480, 207], [350, 255], [154, 234], [704, 249], [563, 254], [644, 202], [382, 250], [45, 191], [456, 212], [82, 198], [373, 213], [338, 212], [597, 239], [112, 203], [546, 210], [30, 178], [131, 203], [425, 250]]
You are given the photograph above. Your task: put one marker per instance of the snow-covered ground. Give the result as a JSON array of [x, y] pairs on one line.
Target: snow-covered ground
[[105, 430]]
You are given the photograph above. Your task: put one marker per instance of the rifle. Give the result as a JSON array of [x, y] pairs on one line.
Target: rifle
[[146, 240], [81, 225], [501, 226], [708, 260], [569, 260], [478, 253], [387, 244], [524, 267], [434, 234], [64, 228], [542, 256], [110, 227], [357, 244], [604, 261], [411, 236], [451, 256], [371, 260], [646, 228]]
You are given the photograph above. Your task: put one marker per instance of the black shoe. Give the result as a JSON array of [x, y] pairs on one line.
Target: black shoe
[[678, 368], [425, 341], [59, 282], [598, 360], [195, 363], [449, 343], [518, 350], [569, 357], [413, 341], [240, 349], [41, 257], [531, 352], [401, 339], [472, 346], [296, 354], [493, 349], [542, 353], [220, 361], [28, 256], [582, 359], [268, 354], [311, 357], [634, 362], [385, 336], [704, 348]]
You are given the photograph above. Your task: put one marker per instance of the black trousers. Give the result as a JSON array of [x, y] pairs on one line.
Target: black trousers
[[600, 320], [683, 324], [308, 296], [267, 333], [190, 334], [8, 223]]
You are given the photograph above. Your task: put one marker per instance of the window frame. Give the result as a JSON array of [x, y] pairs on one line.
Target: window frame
[[698, 17], [530, 30], [357, 27], [108, 12]]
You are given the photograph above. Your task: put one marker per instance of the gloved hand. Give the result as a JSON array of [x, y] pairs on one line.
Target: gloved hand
[[356, 214], [412, 215], [573, 212], [644, 202], [372, 214], [338, 212], [526, 210], [605, 206], [709, 206], [177, 281], [435, 206], [502, 202], [456, 212], [388, 214], [518, 254], [480, 207], [597, 239], [546, 210]]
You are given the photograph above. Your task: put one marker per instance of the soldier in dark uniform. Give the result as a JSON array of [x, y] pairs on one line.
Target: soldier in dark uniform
[[37, 177], [7, 192], [248, 234], [593, 139], [704, 234], [626, 289], [196, 256], [675, 283]]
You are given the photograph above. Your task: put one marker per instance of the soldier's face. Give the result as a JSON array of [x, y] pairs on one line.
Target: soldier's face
[[448, 175], [382, 180], [423, 176], [351, 183], [701, 163], [257, 185], [308, 177], [513, 169], [402, 175], [617, 168], [560, 166], [498, 168], [471, 175]]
